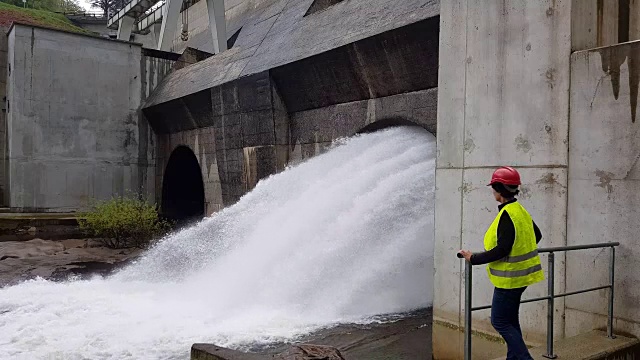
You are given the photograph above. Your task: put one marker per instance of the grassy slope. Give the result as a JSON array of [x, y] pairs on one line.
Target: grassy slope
[[10, 13]]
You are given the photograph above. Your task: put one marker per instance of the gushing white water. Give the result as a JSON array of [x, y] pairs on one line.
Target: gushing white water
[[339, 238]]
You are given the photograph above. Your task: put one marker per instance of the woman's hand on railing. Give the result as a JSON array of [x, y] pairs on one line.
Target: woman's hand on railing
[[466, 254]]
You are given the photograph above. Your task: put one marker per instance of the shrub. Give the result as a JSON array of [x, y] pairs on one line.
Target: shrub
[[124, 222]]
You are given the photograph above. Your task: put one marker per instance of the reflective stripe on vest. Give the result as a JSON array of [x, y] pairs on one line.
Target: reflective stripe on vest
[[520, 258], [522, 266], [515, 273]]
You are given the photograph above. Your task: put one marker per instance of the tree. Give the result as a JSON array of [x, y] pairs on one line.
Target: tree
[[104, 5], [49, 5], [108, 7], [70, 6]]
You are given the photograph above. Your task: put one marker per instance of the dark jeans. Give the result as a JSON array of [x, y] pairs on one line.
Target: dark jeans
[[505, 319]]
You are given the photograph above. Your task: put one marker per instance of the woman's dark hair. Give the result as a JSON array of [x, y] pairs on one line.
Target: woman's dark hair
[[507, 191]]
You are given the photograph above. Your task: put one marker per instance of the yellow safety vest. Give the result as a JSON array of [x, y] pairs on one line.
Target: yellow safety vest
[[522, 266]]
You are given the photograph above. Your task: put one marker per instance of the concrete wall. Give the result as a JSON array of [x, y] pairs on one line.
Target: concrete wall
[[603, 23], [154, 66], [312, 131], [3, 116], [604, 184], [74, 130], [237, 152], [503, 98], [511, 93], [265, 120]]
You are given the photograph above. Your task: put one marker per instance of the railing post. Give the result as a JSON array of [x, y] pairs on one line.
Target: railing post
[[550, 307], [612, 266], [467, 310]]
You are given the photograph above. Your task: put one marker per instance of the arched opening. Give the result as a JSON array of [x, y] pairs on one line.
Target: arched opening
[[182, 188], [387, 123]]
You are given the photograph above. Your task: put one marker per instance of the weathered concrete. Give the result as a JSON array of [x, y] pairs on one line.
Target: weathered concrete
[[155, 65], [3, 117], [69, 144], [593, 345], [505, 98], [502, 99], [28, 226], [247, 125], [202, 143], [313, 130], [603, 23], [282, 35], [604, 201]]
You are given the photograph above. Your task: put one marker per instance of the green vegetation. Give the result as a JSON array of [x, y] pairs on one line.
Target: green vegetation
[[49, 5], [10, 13], [124, 222]]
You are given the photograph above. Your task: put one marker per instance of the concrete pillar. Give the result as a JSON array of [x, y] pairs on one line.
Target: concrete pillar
[[125, 26], [217, 25], [169, 24], [503, 99], [156, 30]]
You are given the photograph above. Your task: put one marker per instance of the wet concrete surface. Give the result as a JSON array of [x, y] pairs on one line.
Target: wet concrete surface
[[398, 337]]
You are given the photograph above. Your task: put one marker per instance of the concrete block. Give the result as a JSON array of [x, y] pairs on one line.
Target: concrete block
[[578, 322], [516, 108], [604, 214], [593, 345], [451, 84], [448, 227], [81, 127], [604, 112], [603, 192]]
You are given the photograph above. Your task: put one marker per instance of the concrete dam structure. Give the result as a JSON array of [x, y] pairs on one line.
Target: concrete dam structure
[[549, 87], [291, 84]]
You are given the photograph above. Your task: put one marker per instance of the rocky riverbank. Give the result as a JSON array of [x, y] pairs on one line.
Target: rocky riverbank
[[58, 260]]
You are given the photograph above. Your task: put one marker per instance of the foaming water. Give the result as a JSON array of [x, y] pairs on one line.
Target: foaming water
[[340, 238]]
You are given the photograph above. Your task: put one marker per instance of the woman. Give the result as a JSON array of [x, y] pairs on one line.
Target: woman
[[512, 258]]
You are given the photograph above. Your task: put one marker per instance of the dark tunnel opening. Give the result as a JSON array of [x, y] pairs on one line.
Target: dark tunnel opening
[[183, 188], [387, 123]]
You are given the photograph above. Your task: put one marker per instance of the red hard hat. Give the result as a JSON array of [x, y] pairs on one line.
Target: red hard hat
[[505, 175]]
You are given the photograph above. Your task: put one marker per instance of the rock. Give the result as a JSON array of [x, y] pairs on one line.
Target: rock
[[311, 352], [213, 352], [58, 260], [74, 243], [296, 352]]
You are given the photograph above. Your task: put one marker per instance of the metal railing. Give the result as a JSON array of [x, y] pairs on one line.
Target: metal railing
[[551, 295], [98, 14]]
